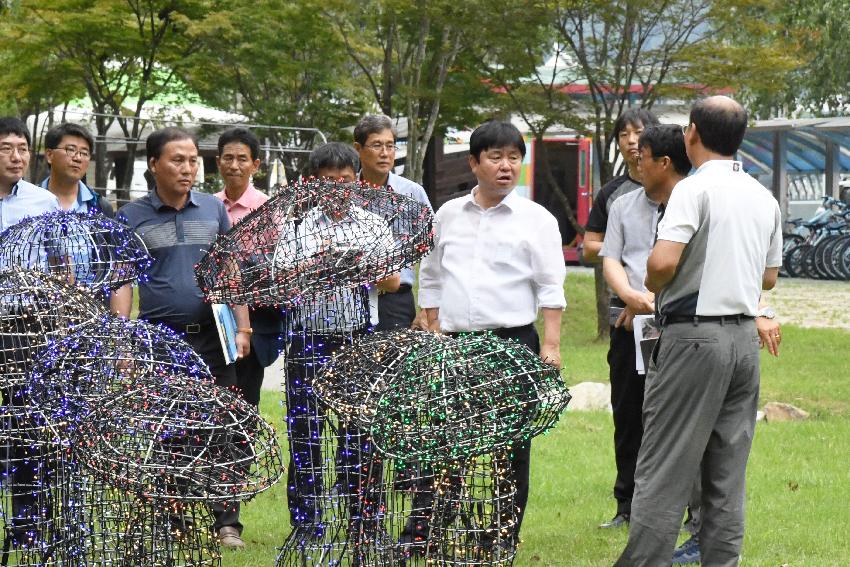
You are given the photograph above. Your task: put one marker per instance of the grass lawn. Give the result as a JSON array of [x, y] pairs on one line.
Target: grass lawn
[[799, 473]]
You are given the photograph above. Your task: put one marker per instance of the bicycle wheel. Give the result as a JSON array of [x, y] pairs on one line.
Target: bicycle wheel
[[842, 262], [817, 263], [807, 264], [792, 260], [828, 263]]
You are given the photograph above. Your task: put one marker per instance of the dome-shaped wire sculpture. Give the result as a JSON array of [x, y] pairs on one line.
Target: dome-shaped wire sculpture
[[34, 308], [105, 358], [182, 440], [314, 235], [426, 396], [88, 249]]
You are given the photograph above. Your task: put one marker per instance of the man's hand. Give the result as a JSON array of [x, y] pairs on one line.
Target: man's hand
[[243, 344], [626, 319], [769, 334], [640, 302], [420, 323], [551, 354]]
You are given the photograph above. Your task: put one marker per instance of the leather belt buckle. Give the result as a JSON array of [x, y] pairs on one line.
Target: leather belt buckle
[[193, 329]]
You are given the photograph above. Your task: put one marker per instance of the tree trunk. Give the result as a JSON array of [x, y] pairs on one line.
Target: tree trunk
[[603, 329]]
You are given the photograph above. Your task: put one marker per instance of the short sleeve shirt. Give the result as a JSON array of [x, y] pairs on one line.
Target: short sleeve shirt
[[597, 221], [732, 230], [177, 240], [630, 234], [25, 200]]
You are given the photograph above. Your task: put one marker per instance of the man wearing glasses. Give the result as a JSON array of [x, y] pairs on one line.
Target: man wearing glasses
[[69, 148], [18, 198], [374, 140]]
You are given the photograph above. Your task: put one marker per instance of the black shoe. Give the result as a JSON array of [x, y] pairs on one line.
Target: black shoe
[[621, 520]]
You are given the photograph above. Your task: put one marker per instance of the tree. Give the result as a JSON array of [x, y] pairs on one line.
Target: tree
[[414, 57], [124, 52], [640, 51]]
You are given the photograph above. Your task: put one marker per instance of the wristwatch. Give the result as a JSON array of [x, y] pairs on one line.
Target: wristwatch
[[766, 312]]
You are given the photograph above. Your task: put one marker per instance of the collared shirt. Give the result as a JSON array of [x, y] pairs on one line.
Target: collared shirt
[[25, 200], [732, 230], [342, 309], [408, 188], [597, 221], [246, 204], [492, 268], [86, 200], [630, 234], [177, 240]]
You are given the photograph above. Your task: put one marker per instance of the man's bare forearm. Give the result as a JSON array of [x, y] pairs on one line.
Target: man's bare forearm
[[121, 301]]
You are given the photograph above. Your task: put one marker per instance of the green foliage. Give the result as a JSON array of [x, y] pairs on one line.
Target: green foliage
[[278, 63]]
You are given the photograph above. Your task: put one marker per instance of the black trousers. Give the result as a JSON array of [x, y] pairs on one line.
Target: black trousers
[[519, 457], [249, 378], [208, 346], [627, 388], [396, 310]]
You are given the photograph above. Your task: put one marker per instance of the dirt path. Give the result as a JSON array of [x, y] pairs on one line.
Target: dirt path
[[811, 303]]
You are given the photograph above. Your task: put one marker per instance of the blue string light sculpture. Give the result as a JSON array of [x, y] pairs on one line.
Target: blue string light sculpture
[[88, 249], [314, 235], [37, 491]]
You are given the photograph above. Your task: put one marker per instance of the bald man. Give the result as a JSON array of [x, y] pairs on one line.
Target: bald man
[[719, 244]]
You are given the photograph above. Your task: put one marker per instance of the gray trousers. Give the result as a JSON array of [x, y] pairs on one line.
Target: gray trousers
[[699, 416]]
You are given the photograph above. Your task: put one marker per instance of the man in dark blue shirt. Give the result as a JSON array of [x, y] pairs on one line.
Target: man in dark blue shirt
[[178, 225]]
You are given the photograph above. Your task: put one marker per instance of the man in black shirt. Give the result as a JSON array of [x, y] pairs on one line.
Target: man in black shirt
[[626, 383]]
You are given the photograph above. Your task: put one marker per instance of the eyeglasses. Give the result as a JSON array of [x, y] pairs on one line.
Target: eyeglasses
[[74, 151], [376, 147], [9, 149]]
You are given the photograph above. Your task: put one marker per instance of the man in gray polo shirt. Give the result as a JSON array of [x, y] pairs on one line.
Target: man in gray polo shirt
[[629, 236], [719, 244], [178, 225]]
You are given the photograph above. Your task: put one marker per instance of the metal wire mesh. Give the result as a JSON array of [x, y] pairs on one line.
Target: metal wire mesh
[[312, 236], [40, 494], [423, 396], [123, 530], [35, 307], [180, 440], [104, 358], [85, 248], [331, 463]]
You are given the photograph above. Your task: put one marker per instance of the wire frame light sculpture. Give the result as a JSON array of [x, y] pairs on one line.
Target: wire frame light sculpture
[[88, 249], [333, 470], [183, 440], [39, 501], [423, 396], [312, 236], [104, 358], [461, 512], [35, 307]]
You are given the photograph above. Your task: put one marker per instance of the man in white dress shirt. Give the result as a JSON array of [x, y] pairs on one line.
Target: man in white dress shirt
[[497, 262]]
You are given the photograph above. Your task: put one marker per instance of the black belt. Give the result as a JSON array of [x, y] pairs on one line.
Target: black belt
[[697, 319], [402, 288], [190, 329]]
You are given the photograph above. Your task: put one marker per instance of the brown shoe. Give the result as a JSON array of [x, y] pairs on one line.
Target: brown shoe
[[228, 537]]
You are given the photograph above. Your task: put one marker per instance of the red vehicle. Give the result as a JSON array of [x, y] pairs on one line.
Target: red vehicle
[[569, 160]]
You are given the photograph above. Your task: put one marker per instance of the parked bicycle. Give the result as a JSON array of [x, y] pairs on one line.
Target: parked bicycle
[[819, 247]]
